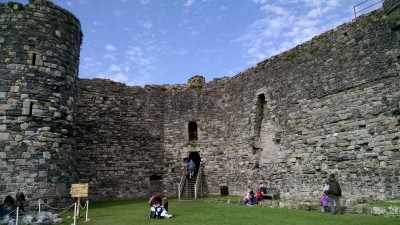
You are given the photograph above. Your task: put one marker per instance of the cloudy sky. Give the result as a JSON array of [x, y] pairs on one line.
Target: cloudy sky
[[139, 42]]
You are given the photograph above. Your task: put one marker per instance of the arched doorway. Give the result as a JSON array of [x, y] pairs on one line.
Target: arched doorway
[[196, 159]]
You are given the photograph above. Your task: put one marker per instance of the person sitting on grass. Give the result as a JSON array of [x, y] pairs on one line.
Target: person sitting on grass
[[249, 199], [165, 213], [259, 195]]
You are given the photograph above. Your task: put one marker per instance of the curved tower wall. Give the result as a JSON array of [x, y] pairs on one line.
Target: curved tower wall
[[39, 58]]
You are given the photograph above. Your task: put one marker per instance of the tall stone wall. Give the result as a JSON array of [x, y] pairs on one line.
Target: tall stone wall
[[329, 105], [120, 136], [39, 56]]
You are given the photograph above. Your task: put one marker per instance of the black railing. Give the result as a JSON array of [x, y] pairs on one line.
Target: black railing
[[365, 6]]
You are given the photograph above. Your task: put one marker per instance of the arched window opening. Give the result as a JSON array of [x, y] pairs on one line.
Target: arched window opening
[[259, 116], [155, 177], [192, 128]]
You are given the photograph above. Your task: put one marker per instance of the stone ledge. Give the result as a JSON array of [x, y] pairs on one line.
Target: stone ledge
[[366, 209]]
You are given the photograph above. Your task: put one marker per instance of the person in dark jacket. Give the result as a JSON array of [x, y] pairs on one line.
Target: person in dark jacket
[[334, 194]]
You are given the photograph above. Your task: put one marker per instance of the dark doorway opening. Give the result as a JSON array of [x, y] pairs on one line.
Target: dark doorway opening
[[192, 129], [196, 159], [155, 177], [155, 185]]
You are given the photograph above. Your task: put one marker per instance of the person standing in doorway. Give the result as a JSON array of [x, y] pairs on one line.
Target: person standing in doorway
[[334, 194], [191, 167]]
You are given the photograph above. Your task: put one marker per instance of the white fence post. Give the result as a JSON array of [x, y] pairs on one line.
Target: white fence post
[[75, 214], [16, 219], [87, 210]]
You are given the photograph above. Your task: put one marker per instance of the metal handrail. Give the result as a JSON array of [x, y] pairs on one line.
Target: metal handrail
[[198, 181], [369, 6], [182, 183]]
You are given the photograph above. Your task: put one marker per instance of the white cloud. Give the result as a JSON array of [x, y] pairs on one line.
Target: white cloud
[[274, 9], [260, 1], [135, 51], [97, 23], [114, 68], [119, 13], [117, 77], [283, 26], [141, 79], [137, 56], [194, 33], [110, 57], [70, 4], [90, 62], [148, 24], [190, 2], [110, 47], [144, 2]]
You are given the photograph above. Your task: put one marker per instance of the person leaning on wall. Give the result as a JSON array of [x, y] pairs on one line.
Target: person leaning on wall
[[334, 194]]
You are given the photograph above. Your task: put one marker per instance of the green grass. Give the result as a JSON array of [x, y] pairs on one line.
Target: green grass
[[203, 212], [385, 204]]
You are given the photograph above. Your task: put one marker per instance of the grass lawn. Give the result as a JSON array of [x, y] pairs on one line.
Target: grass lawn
[[203, 212]]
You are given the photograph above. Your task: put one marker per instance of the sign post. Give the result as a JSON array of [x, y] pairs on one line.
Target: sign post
[[78, 191]]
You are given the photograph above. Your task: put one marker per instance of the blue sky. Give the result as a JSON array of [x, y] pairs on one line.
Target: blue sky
[[140, 42]]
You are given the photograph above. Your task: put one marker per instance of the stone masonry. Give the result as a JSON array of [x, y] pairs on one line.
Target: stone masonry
[[330, 105], [39, 55]]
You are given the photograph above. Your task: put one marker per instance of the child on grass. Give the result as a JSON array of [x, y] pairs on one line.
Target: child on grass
[[325, 202]]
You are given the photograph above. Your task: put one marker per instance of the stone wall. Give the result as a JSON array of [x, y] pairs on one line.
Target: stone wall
[[39, 56], [120, 133], [330, 105]]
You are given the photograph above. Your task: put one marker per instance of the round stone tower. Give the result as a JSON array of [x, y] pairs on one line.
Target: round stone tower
[[39, 58]]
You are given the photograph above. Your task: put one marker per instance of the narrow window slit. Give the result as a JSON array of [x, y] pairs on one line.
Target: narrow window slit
[[33, 59]]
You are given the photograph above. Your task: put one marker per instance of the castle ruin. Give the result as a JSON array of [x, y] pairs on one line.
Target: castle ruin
[[329, 105]]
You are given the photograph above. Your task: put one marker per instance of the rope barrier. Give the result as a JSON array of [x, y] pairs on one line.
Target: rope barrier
[[8, 214], [67, 209], [59, 209], [63, 210], [84, 205]]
